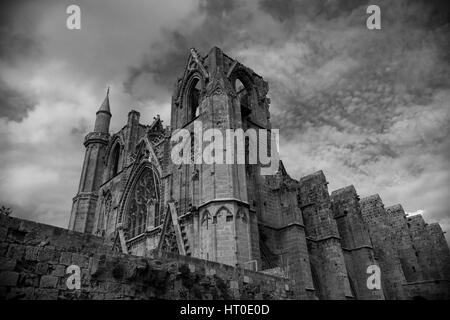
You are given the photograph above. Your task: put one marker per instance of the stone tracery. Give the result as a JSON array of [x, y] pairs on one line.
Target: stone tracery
[[145, 188]]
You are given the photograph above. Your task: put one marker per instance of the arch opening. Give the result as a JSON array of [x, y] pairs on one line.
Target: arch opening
[[193, 98], [243, 94], [115, 160]]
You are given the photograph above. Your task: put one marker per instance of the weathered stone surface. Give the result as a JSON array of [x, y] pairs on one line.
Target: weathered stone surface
[[48, 281], [119, 276], [8, 278], [7, 264]]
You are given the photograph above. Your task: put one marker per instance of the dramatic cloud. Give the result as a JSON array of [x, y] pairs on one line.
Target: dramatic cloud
[[369, 108]]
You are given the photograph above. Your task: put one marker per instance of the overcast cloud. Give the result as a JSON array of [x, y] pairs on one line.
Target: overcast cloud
[[369, 108]]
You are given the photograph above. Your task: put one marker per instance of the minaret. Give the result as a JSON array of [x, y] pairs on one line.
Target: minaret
[[96, 142]]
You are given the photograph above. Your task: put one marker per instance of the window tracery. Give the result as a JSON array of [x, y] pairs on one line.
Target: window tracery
[[145, 189]]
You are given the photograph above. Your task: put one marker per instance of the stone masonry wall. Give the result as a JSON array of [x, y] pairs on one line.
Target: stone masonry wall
[[404, 243], [382, 236], [323, 240], [355, 241], [414, 256], [34, 258], [427, 255], [442, 250]]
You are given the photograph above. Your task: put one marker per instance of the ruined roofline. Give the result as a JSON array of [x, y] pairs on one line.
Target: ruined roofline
[[348, 190], [207, 55], [372, 198], [318, 175], [229, 57], [417, 217], [133, 111], [236, 60], [435, 227], [395, 208]]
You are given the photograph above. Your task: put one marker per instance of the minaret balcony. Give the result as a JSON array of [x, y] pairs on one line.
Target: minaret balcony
[[96, 137]]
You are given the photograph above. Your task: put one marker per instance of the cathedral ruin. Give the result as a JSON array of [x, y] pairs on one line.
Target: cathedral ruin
[[133, 197]]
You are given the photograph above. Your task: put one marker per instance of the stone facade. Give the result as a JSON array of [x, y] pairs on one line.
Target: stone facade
[[134, 197]]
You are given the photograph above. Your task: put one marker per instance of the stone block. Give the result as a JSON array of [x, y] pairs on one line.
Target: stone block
[[7, 264], [65, 258], [48, 282], [21, 294], [128, 290], [8, 278], [42, 268], [28, 280], [234, 284], [80, 260], [3, 249], [3, 233], [58, 270], [31, 253], [98, 296], [46, 294], [49, 255], [16, 252]]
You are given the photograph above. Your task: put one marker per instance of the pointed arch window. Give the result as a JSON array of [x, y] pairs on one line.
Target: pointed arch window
[[144, 203], [243, 91], [115, 160], [192, 97]]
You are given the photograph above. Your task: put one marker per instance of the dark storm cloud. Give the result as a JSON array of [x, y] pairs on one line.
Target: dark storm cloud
[[14, 44], [355, 81], [391, 56], [228, 24], [17, 43], [217, 8], [431, 13], [163, 67], [287, 10], [213, 23], [13, 104], [17, 22]]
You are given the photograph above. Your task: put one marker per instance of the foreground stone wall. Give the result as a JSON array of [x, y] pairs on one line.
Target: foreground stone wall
[[34, 258]]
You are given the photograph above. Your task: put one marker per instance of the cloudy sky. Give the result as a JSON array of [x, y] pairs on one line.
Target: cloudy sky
[[369, 108]]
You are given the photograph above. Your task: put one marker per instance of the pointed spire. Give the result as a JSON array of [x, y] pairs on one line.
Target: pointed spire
[[105, 105], [103, 116]]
